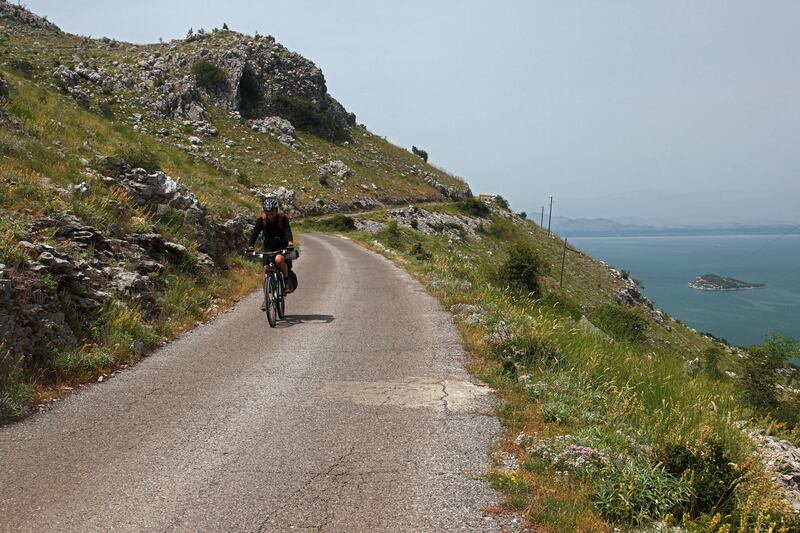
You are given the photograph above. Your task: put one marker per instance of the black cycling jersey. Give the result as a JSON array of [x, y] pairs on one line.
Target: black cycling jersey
[[277, 233]]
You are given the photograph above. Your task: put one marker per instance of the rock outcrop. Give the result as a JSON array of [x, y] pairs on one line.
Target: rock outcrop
[[18, 14]]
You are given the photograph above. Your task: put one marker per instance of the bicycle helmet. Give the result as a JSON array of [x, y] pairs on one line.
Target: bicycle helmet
[[269, 204]]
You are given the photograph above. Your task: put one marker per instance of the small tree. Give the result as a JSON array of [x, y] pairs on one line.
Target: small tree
[[523, 268], [224, 26]]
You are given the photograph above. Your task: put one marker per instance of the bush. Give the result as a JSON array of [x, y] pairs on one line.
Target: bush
[[392, 235], [620, 323], [473, 207], [14, 394], [22, 66], [637, 492], [557, 412], [420, 152], [501, 202], [337, 222], [530, 350], [709, 471], [760, 371], [420, 253], [209, 75], [522, 269], [106, 110], [140, 156], [710, 359]]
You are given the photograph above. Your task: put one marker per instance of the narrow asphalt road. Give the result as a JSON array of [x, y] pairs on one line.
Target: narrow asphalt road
[[356, 414]]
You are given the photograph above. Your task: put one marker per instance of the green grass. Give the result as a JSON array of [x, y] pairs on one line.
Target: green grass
[[627, 395]]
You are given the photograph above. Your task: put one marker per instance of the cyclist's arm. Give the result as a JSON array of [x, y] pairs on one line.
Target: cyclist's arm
[[287, 233], [254, 235]]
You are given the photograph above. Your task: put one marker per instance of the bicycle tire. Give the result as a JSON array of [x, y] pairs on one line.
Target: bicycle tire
[[270, 292], [281, 297]]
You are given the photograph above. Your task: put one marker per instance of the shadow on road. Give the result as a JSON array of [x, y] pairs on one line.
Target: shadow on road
[[292, 320]]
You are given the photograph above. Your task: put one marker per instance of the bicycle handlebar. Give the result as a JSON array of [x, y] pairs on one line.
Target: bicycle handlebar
[[253, 253]]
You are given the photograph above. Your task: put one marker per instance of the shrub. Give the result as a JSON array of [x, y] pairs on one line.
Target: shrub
[[710, 359], [637, 492], [209, 75], [523, 215], [22, 66], [14, 394], [620, 323], [106, 110], [392, 235], [500, 228], [522, 269], [760, 371], [501, 202], [709, 471], [557, 411], [529, 350], [420, 152], [420, 253], [140, 156], [473, 207], [337, 222]]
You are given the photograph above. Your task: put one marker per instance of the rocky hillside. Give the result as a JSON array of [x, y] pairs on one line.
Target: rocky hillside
[[618, 417], [129, 175]]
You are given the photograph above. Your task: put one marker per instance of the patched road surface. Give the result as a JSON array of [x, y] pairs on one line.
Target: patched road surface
[[356, 414]]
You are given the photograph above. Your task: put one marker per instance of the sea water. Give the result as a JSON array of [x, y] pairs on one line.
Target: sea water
[[666, 265]]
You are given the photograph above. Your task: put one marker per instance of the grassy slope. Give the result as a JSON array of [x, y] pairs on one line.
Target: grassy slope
[[57, 146], [632, 402]]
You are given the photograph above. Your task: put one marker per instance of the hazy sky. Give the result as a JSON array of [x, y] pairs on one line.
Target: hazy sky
[[668, 112]]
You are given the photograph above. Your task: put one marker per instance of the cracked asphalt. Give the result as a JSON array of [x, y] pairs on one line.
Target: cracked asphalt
[[355, 414]]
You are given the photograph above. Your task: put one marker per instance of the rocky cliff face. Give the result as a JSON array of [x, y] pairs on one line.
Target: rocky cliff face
[[252, 76]]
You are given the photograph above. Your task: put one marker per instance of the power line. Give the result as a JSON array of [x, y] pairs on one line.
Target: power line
[[776, 239]]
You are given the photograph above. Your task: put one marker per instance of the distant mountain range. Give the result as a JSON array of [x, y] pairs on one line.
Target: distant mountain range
[[604, 227]]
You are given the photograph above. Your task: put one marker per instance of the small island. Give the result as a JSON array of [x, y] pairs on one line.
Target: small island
[[713, 282]]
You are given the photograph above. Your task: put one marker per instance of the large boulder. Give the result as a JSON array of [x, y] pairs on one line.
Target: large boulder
[[334, 169], [278, 127]]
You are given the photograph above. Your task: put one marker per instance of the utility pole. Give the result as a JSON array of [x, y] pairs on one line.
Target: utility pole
[[542, 223], [550, 218], [563, 260]]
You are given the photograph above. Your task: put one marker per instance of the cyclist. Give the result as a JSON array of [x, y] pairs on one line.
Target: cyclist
[[277, 236]]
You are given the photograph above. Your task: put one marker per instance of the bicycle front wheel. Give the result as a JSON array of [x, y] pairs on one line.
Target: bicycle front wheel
[[271, 300], [281, 297]]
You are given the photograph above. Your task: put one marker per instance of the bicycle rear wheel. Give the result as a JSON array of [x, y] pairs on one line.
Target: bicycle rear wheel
[[271, 301]]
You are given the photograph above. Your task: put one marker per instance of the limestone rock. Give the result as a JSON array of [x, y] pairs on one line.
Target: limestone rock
[[277, 126], [334, 169]]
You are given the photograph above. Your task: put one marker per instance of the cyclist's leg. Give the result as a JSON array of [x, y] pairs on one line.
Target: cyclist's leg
[[280, 261], [264, 281]]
